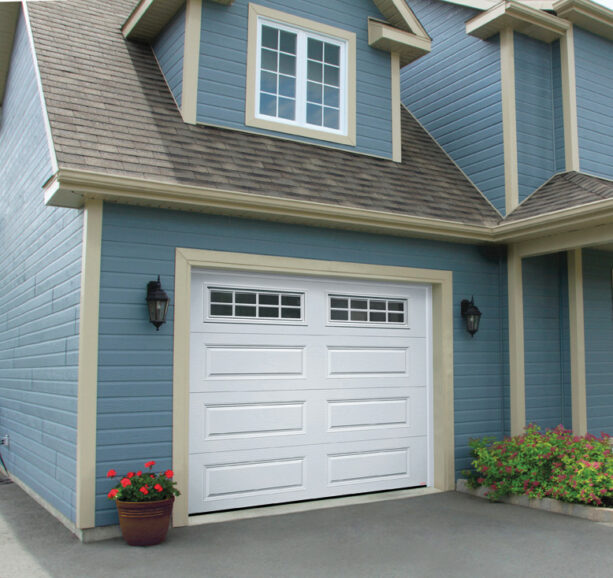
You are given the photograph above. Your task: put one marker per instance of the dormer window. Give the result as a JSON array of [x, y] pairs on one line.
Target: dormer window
[[301, 77]]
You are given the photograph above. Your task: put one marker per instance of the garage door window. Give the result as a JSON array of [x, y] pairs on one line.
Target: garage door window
[[352, 309], [226, 303]]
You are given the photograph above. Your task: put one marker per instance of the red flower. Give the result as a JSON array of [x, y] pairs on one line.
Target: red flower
[[169, 473], [150, 464], [113, 493], [158, 487], [152, 476], [139, 473], [125, 482], [111, 474], [130, 475], [144, 491]]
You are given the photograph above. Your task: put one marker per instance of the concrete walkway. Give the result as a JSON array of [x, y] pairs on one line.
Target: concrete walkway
[[437, 535]]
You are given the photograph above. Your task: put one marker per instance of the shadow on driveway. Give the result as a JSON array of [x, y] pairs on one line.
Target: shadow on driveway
[[438, 535]]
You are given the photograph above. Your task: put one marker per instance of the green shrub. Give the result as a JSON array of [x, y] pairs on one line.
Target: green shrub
[[554, 464]]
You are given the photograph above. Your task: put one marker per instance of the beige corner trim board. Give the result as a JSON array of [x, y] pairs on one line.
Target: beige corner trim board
[[577, 341], [396, 104], [516, 341], [191, 59], [442, 334], [569, 100], [509, 119], [88, 365]]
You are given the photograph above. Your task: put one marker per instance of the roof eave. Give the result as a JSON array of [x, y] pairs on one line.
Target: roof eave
[[520, 18], [588, 15], [71, 188]]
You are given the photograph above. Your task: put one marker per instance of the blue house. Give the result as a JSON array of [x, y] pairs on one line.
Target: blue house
[[322, 188]]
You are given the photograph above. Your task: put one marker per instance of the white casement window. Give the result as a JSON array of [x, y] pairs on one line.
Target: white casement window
[[301, 77]]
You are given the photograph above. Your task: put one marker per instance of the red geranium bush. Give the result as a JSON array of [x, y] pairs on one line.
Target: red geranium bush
[[143, 486], [551, 464]]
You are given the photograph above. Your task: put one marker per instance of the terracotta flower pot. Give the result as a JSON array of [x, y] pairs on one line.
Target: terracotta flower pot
[[144, 523]]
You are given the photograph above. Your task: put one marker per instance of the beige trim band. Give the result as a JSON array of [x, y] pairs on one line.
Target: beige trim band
[[396, 104], [442, 339], [389, 39], [577, 342], [87, 397], [589, 15]]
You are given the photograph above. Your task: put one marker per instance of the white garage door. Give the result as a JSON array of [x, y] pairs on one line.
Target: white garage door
[[305, 388]]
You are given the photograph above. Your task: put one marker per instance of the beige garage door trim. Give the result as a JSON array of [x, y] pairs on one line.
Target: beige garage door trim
[[442, 335]]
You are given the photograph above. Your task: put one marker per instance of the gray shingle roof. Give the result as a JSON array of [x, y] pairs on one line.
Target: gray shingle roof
[[110, 111], [563, 191]]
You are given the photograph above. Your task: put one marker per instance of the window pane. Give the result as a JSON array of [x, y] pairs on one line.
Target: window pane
[[331, 96], [287, 64], [396, 306], [288, 313], [268, 105], [287, 108], [267, 299], [395, 317], [290, 300], [314, 92], [245, 311], [331, 118], [314, 71], [314, 114], [377, 317], [269, 60], [336, 302], [377, 305], [268, 82], [270, 37], [339, 315], [221, 296], [269, 312], [359, 304], [288, 42], [332, 76], [315, 49], [287, 86], [221, 310], [245, 297], [333, 54], [358, 316]]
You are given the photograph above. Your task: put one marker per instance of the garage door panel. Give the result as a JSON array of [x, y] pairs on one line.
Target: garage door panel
[[226, 480], [221, 422]]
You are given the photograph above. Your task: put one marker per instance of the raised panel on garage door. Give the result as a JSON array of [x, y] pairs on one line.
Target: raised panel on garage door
[[285, 409]]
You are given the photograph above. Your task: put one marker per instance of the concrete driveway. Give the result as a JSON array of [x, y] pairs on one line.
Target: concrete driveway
[[437, 535]]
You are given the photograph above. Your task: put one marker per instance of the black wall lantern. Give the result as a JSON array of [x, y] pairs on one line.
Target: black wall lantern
[[157, 302], [472, 315]]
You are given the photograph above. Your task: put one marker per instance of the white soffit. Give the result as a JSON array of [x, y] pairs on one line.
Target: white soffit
[[520, 18], [9, 12], [588, 15]]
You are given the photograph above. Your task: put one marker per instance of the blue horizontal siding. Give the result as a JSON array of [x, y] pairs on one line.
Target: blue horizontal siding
[[455, 93], [168, 48], [40, 269], [135, 363], [223, 68], [598, 311], [534, 99], [593, 58], [546, 341]]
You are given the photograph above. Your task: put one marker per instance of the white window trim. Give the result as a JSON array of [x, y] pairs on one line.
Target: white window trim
[[347, 133]]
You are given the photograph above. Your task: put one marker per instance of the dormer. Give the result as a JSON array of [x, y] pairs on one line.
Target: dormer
[[315, 72]]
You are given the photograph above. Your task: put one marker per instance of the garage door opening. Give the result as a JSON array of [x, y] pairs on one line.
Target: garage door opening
[[304, 388]]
